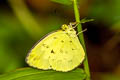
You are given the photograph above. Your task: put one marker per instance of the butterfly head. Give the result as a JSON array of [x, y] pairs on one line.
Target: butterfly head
[[68, 29]]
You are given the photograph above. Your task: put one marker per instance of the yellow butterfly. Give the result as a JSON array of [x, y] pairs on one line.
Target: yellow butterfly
[[60, 51]]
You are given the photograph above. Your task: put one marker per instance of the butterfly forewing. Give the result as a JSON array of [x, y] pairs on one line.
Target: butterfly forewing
[[39, 55]]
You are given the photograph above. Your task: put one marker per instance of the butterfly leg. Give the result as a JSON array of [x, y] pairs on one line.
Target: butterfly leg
[[82, 31]]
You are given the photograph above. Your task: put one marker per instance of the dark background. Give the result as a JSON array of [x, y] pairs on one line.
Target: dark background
[[24, 22]]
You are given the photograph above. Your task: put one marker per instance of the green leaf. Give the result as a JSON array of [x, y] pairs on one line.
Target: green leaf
[[86, 20], [35, 74], [65, 2]]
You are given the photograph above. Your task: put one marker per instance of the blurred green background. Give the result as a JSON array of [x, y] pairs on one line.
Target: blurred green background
[[24, 22]]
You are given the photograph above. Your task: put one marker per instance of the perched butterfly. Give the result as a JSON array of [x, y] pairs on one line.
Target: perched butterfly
[[59, 50]]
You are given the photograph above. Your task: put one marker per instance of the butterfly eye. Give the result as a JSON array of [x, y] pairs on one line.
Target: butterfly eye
[[64, 27]]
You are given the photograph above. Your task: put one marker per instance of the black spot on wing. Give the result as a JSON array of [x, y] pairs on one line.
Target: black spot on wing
[[62, 41], [70, 41], [73, 49], [52, 51], [54, 37], [45, 45], [67, 34]]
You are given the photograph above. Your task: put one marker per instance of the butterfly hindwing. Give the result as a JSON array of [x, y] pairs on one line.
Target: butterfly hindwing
[[68, 56]]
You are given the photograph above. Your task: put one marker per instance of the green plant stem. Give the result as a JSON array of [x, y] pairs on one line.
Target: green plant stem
[[81, 37]]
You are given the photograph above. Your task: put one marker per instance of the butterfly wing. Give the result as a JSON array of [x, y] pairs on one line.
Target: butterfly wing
[[40, 54], [57, 51], [68, 55]]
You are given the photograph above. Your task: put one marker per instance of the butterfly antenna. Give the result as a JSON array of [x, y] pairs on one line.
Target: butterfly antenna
[[74, 24], [82, 31]]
